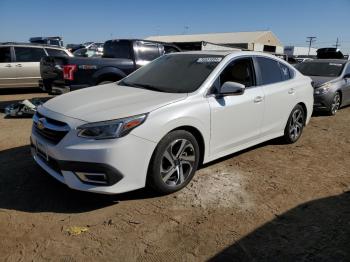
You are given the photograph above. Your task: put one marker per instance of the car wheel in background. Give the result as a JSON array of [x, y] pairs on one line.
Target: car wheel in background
[[174, 162], [335, 104], [295, 125]]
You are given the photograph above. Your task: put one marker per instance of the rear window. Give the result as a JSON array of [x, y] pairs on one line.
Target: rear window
[[117, 49], [29, 54], [326, 69], [56, 52]]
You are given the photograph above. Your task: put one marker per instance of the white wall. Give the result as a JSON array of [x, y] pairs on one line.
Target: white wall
[[299, 51]]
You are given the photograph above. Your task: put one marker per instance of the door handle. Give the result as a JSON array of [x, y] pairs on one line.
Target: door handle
[[258, 99], [19, 65], [8, 65], [291, 91]]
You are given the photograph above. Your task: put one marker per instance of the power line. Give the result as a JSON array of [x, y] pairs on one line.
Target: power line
[[311, 39]]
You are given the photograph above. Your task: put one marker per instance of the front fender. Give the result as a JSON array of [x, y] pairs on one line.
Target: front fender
[[195, 114]]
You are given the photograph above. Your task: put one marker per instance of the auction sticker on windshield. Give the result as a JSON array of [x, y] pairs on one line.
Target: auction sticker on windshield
[[209, 60]]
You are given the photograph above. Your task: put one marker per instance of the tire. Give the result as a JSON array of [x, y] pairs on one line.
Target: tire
[[105, 82], [177, 153], [335, 104], [295, 125]]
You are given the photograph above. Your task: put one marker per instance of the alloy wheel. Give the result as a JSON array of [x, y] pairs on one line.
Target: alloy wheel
[[335, 104], [177, 162], [296, 124]]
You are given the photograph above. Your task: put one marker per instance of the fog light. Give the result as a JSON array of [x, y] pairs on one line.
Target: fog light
[[95, 178]]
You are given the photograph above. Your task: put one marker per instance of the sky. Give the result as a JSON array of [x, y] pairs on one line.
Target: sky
[[99, 20]]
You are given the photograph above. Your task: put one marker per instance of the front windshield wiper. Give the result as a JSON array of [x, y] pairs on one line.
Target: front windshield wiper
[[144, 86]]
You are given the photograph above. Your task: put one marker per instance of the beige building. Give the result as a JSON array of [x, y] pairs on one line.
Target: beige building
[[255, 41]]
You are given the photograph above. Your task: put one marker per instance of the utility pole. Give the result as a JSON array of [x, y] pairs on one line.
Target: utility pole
[[310, 40], [337, 43]]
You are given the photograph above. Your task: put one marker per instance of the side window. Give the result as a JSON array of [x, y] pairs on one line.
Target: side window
[[29, 54], [347, 70], [56, 52], [286, 74], [5, 54], [240, 71], [147, 51], [270, 70]]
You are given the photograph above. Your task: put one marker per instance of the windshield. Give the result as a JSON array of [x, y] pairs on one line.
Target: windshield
[[326, 69], [180, 73]]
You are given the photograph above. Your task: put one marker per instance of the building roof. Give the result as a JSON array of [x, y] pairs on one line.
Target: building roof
[[264, 37]]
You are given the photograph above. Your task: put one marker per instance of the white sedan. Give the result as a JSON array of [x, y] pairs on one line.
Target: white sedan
[[156, 126]]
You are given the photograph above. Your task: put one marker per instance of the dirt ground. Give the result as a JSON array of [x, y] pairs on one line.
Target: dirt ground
[[273, 202]]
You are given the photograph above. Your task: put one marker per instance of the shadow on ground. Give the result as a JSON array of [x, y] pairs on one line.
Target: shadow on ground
[[20, 90], [315, 231], [24, 186]]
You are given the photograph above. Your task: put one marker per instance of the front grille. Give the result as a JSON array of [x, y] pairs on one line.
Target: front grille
[[50, 129]]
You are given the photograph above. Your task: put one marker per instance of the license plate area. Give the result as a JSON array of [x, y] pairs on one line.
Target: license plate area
[[41, 151]]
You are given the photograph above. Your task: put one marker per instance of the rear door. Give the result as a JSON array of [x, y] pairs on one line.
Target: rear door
[[28, 65], [7, 68], [280, 94]]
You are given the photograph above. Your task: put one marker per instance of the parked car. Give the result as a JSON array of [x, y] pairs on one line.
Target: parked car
[[94, 46], [120, 58], [331, 80], [158, 124], [51, 40], [84, 52], [329, 53], [74, 47], [20, 63]]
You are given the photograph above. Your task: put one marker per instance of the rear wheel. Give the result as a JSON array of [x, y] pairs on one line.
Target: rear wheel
[[174, 162], [335, 104], [295, 125]]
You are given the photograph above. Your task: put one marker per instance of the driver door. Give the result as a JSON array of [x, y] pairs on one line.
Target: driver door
[[236, 119]]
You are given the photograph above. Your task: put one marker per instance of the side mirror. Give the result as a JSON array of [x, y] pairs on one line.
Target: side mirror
[[231, 89], [346, 76]]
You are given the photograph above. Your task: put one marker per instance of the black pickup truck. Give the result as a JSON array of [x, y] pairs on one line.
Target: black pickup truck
[[120, 58]]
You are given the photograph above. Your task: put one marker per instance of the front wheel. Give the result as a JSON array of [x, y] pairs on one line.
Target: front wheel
[[335, 104], [174, 162], [295, 125]]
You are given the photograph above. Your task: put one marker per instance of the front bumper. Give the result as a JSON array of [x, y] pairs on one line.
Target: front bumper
[[323, 102], [124, 161]]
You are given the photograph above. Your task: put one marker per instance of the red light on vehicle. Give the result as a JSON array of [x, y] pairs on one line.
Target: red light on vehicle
[[68, 71]]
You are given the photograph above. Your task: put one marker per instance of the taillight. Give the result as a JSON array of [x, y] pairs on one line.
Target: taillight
[[68, 71]]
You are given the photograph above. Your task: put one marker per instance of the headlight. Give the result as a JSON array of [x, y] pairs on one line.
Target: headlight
[[323, 89], [111, 129]]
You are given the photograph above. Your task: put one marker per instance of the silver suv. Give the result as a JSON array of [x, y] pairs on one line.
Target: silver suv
[[20, 63]]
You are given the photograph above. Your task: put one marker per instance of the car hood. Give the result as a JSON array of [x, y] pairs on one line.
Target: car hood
[[320, 80], [107, 102]]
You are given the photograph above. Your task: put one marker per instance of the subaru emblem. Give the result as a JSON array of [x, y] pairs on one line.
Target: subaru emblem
[[41, 124]]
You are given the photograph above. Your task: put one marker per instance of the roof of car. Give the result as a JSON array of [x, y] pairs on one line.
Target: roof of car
[[30, 44], [338, 61], [229, 52]]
